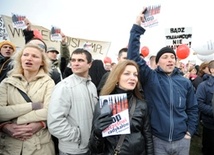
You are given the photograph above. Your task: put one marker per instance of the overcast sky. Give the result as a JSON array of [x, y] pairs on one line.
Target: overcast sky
[[111, 20]]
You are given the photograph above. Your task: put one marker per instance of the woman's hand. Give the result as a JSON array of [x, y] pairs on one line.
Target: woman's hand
[[22, 132], [35, 127]]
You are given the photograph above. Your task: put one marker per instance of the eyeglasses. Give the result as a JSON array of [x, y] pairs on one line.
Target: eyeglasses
[[5, 46]]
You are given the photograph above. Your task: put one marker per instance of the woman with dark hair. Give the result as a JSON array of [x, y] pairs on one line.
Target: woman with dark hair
[[123, 79], [202, 74]]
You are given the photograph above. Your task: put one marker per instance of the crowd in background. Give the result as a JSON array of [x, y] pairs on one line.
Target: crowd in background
[[49, 103]]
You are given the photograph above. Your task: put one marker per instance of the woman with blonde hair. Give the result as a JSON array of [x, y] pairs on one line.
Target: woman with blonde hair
[[23, 119], [123, 79]]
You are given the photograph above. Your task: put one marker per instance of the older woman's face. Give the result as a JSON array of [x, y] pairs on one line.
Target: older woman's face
[[129, 78], [31, 59]]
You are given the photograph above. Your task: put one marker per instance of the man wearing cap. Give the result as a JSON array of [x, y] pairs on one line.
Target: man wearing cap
[[6, 51], [52, 55], [170, 97]]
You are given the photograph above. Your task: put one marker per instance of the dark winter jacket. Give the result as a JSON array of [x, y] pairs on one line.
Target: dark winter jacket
[[55, 72], [204, 95], [171, 99], [198, 80], [102, 82], [5, 67], [67, 72], [139, 142]]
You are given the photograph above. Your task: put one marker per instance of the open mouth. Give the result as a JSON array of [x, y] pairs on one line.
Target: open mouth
[[28, 64], [170, 65], [8, 53], [132, 83]]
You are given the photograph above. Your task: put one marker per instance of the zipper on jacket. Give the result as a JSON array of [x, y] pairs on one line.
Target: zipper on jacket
[[79, 142], [89, 95], [171, 109], [179, 102]]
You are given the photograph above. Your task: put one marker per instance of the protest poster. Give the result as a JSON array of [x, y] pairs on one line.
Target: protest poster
[[176, 36], [18, 21], [118, 105], [151, 16], [56, 34]]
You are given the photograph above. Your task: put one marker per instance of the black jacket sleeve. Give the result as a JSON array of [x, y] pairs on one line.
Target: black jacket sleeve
[[28, 35], [102, 82], [96, 144], [148, 133]]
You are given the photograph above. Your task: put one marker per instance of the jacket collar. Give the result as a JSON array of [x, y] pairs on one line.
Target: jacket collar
[[40, 74], [3, 59], [82, 78], [175, 71], [55, 62], [210, 80]]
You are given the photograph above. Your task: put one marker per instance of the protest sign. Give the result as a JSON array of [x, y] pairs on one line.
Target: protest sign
[[99, 49], [118, 105], [3, 32], [56, 34], [18, 21], [178, 36], [151, 16]]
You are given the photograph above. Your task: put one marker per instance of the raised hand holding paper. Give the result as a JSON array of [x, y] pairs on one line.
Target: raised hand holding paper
[[151, 15], [56, 34], [18, 21]]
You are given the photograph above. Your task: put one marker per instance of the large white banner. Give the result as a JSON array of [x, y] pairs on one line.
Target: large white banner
[[8, 32]]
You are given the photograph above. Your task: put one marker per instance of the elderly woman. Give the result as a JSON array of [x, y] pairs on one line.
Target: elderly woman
[[23, 123]]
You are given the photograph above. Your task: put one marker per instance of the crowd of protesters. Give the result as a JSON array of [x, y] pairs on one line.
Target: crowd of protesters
[[50, 105]]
